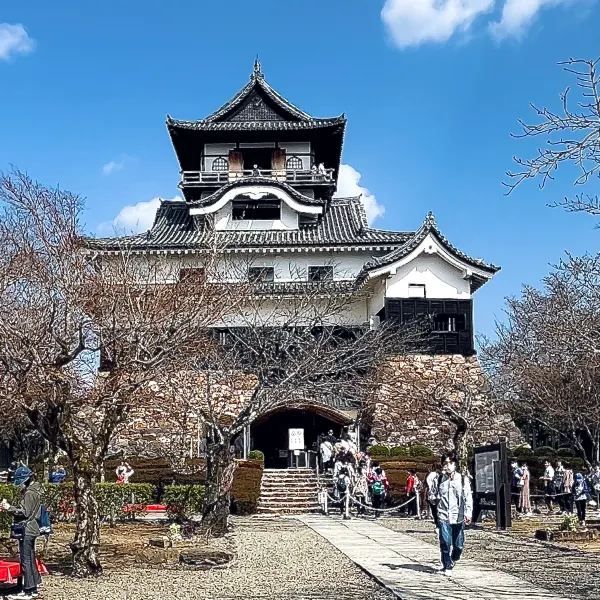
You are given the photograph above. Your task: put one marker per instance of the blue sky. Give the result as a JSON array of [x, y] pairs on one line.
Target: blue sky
[[432, 90]]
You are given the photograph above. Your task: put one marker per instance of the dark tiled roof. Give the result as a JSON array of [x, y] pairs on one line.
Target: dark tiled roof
[[257, 106], [343, 225], [429, 226], [244, 181], [256, 125]]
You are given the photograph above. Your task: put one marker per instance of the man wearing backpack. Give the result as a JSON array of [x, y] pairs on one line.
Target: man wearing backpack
[[455, 510], [26, 529]]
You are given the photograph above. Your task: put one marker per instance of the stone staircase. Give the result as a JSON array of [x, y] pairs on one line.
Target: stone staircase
[[288, 491]]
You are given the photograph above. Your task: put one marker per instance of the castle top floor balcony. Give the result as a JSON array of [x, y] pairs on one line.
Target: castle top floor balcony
[[309, 177]]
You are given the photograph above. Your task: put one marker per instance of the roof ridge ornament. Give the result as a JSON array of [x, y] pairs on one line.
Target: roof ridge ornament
[[430, 221], [257, 71]]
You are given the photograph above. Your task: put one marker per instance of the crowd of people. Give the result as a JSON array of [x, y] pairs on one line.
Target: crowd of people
[[354, 474], [564, 491]]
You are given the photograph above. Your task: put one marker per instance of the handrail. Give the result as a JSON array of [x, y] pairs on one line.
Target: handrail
[[286, 175]]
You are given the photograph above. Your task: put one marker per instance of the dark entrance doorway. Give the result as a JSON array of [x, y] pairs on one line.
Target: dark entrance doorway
[[269, 434]]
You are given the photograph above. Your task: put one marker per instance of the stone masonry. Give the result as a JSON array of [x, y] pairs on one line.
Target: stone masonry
[[404, 409]]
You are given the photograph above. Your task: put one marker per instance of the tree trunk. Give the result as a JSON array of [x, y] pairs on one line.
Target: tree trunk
[[220, 467], [85, 546], [461, 447]]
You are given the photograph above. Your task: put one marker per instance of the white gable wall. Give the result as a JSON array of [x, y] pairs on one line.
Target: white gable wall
[[441, 280]]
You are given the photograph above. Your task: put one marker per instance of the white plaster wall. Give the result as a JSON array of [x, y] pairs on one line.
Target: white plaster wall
[[224, 222], [275, 312], [441, 280]]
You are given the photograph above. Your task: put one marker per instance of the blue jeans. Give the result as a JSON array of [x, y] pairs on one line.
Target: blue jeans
[[452, 542]]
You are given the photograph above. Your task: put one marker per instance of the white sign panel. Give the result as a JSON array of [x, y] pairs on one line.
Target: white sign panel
[[296, 437], [484, 471]]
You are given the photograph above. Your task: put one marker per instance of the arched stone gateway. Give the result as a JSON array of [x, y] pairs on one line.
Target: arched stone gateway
[[269, 433]]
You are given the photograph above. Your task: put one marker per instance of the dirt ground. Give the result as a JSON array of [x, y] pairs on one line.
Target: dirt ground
[[274, 559]]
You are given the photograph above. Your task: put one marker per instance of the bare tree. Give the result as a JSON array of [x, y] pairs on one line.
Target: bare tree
[[572, 136], [456, 396], [80, 338], [545, 364]]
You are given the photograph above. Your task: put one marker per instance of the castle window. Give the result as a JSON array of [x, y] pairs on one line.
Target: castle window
[[294, 163], [416, 290], [261, 210], [220, 164], [261, 274], [320, 273], [193, 275], [444, 323]]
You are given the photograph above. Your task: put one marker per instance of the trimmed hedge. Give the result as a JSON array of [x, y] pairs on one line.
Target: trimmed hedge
[[567, 452], [245, 490], [379, 450], [544, 451], [420, 450], [256, 455], [183, 501], [401, 451]]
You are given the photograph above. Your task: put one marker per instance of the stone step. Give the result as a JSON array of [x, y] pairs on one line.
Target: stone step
[[291, 511], [295, 486], [286, 501]]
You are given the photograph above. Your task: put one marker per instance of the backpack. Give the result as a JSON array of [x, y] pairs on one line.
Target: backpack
[[377, 488], [44, 522], [341, 484]]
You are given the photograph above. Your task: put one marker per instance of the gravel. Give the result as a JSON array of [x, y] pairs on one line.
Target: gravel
[[276, 559], [566, 571]]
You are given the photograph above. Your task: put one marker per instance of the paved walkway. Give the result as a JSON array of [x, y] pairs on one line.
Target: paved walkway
[[409, 567]]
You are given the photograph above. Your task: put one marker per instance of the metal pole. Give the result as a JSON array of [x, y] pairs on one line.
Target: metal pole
[[347, 509], [326, 501], [418, 501]]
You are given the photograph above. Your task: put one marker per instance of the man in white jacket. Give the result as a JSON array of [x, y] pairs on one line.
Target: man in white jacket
[[455, 509]]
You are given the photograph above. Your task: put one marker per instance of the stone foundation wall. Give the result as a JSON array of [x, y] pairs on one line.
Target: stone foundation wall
[[405, 408], [400, 413]]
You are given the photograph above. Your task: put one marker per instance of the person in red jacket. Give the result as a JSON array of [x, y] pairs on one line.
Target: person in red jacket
[[412, 489]]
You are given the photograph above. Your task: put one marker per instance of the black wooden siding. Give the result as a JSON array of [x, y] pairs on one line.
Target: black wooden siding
[[403, 310]]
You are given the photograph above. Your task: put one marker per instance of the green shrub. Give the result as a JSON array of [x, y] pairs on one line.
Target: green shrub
[[116, 500], [183, 501], [256, 455], [400, 451], [59, 500], [11, 493], [379, 450], [546, 451], [522, 451], [568, 452], [420, 450]]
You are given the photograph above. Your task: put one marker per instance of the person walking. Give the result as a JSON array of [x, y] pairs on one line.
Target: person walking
[[515, 484], [412, 489], [431, 485], [378, 486], [524, 494], [548, 479], [581, 495], [26, 530], [455, 510]]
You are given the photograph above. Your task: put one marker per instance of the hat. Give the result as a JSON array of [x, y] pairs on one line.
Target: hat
[[22, 475]]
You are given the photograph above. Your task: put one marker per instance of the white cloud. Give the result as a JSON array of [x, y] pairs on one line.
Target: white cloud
[[14, 40], [348, 186], [133, 218], [413, 22], [517, 15], [113, 166]]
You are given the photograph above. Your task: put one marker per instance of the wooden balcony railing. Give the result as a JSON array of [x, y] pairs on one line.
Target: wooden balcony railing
[[200, 178]]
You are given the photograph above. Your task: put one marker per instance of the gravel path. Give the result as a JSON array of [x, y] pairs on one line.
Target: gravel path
[[570, 572], [277, 559]]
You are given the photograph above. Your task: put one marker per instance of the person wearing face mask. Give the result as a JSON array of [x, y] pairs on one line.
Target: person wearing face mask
[[455, 510], [27, 516]]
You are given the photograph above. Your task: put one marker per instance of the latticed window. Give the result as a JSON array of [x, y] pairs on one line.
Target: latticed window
[[220, 164], [294, 163]]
